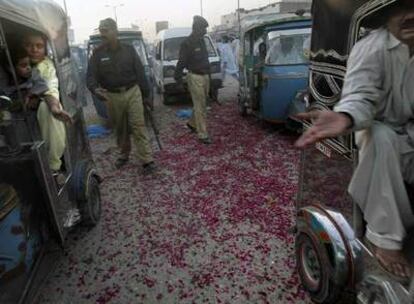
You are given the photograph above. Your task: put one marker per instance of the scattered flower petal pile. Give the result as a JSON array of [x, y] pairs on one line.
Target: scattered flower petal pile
[[212, 226]]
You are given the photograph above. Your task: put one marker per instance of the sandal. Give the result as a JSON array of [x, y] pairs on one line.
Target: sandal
[[393, 268]]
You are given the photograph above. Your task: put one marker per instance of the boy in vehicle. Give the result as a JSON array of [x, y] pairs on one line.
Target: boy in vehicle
[[36, 96], [29, 81]]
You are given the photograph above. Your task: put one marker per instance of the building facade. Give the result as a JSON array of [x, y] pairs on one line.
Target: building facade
[[229, 22]]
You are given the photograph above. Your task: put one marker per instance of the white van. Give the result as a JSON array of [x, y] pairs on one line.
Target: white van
[[167, 48]]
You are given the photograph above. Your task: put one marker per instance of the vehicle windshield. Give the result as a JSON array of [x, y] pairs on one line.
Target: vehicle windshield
[[288, 47], [138, 44], [172, 48], [140, 49]]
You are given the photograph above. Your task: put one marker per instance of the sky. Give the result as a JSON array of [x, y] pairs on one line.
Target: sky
[[85, 14]]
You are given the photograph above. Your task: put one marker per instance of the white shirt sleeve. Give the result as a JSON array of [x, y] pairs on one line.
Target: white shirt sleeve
[[363, 85]]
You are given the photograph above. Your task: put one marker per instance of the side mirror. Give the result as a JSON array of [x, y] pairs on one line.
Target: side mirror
[[262, 49], [158, 56], [5, 103]]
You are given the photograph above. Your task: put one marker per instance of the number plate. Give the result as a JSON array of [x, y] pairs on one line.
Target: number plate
[[324, 149]]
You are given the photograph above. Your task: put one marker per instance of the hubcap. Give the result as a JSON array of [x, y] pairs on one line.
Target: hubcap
[[310, 265]]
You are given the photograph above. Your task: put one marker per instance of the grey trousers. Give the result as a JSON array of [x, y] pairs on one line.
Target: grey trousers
[[386, 161]]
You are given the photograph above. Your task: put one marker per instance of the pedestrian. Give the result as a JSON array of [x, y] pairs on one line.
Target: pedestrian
[[377, 102], [116, 74], [236, 51], [194, 57], [228, 58]]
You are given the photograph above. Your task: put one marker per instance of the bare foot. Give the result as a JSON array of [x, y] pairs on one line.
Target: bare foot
[[393, 262]]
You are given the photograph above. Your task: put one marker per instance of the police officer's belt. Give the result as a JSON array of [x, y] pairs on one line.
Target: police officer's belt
[[199, 73], [121, 89]]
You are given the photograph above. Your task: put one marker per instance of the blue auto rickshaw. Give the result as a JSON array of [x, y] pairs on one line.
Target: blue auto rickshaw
[[38, 209], [334, 263], [273, 65]]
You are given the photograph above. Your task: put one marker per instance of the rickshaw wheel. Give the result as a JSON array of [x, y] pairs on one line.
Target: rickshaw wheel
[[87, 193], [313, 274], [91, 207]]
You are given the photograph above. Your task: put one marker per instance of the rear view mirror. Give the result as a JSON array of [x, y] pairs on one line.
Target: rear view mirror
[[5, 103]]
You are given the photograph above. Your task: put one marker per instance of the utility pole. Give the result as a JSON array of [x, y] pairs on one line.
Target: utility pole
[[66, 8], [114, 7], [238, 16], [201, 7]]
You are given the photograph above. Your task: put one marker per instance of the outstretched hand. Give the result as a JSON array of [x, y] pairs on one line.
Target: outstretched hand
[[325, 124]]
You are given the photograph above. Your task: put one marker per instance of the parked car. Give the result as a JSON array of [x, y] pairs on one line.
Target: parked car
[[36, 210], [274, 65], [167, 48], [130, 36]]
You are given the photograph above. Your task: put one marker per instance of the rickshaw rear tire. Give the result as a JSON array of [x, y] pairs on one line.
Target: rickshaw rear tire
[[323, 291], [87, 193], [90, 208]]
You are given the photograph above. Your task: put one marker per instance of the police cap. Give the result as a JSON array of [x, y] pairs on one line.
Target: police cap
[[108, 24], [199, 22]]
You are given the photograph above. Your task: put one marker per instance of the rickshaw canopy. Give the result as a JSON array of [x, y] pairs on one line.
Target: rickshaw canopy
[[48, 18], [43, 15], [254, 22], [337, 26]]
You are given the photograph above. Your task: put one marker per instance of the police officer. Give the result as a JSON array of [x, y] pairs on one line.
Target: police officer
[[116, 75], [194, 57]]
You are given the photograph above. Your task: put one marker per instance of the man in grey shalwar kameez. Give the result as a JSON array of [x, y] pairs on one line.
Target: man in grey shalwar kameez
[[378, 103]]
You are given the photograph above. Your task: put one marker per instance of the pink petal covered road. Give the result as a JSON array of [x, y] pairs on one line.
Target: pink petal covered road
[[211, 227]]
